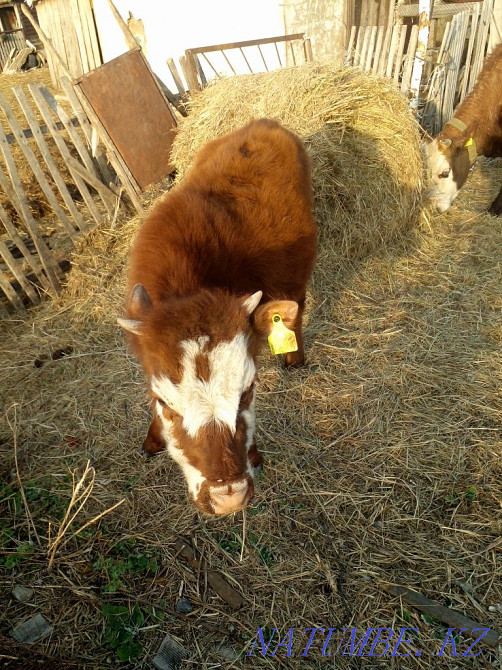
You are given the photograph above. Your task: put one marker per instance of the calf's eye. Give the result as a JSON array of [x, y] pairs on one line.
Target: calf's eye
[[445, 174]]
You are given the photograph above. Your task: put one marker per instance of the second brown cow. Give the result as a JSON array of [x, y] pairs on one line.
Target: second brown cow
[[219, 263]]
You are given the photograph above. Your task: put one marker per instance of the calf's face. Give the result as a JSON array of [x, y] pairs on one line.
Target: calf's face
[[199, 355], [448, 166]]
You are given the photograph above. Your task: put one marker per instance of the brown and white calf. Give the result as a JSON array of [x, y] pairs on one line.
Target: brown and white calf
[[475, 130], [214, 262]]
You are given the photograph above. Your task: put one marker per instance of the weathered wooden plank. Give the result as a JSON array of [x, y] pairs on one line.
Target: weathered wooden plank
[[17, 272], [36, 92], [43, 129], [90, 34], [399, 56], [481, 41], [81, 45], [190, 72], [184, 68], [470, 49], [371, 49], [12, 296], [15, 192], [441, 10], [106, 195], [52, 53], [35, 166], [176, 77], [129, 37], [349, 57], [409, 59], [200, 71], [31, 259], [378, 48], [385, 50], [307, 48], [247, 43], [364, 46], [98, 152], [357, 49], [49, 161], [392, 50]]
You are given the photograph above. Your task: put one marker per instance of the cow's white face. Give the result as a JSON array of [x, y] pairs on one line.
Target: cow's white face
[[443, 188], [207, 421]]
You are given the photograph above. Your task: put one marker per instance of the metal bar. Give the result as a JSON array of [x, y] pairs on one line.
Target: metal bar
[[248, 43]]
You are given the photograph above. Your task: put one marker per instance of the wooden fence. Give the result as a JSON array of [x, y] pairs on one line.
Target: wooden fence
[[10, 42], [381, 50], [54, 187], [450, 72], [200, 64]]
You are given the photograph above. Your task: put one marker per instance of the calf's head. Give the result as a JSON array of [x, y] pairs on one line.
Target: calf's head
[[449, 162], [199, 355]]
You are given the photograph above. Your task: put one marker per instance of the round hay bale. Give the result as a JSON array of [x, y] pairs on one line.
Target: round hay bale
[[364, 143]]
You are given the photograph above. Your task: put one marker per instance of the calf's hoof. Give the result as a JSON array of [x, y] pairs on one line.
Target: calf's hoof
[[294, 359]]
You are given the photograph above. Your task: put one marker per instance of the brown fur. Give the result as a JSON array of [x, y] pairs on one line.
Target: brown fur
[[240, 222], [481, 111]]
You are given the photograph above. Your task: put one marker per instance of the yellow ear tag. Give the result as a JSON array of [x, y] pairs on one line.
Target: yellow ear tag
[[469, 142], [281, 339]]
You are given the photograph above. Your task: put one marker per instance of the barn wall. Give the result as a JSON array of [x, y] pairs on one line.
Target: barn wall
[[69, 24], [326, 22], [29, 31], [170, 28], [496, 25]]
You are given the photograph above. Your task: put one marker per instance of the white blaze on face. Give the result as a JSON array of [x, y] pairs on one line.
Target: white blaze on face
[[193, 477], [199, 401], [443, 189]]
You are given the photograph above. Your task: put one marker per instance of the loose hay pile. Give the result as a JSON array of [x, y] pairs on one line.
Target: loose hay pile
[[383, 455], [367, 167]]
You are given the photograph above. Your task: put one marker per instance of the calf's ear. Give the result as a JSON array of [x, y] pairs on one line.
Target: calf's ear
[[263, 316], [252, 301], [131, 325], [139, 302], [139, 306]]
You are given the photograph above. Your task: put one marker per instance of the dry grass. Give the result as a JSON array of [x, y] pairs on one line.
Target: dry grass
[[383, 455]]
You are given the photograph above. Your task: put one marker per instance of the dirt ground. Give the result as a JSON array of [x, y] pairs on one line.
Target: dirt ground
[[383, 467]]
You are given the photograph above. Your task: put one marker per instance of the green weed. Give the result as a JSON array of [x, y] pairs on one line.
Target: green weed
[[126, 560], [121, 629]]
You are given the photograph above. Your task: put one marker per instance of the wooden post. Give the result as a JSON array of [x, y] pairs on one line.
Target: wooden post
[[424, 22], [129, 37]]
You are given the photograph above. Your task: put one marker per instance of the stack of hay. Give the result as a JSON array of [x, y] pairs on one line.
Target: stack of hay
[[364, 143]]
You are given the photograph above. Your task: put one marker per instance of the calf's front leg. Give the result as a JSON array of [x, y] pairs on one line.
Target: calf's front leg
[[496, 206]]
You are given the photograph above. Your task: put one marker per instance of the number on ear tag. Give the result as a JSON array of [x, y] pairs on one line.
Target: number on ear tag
[[282, 340]]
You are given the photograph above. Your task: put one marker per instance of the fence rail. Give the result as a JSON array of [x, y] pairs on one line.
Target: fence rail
[[53, 190]]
